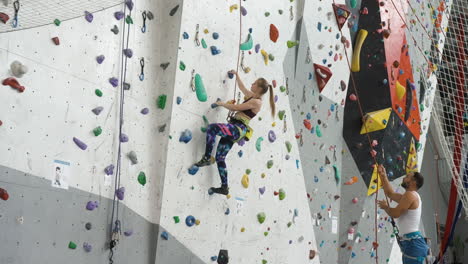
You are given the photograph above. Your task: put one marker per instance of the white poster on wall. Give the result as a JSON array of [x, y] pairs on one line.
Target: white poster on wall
[[61, 174]]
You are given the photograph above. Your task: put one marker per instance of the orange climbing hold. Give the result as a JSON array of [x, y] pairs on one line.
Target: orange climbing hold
[[352, 181], [307, 124], [274, 33]]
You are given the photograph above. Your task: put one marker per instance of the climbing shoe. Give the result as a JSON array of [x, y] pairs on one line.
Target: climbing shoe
[[224, 190], [205, 162]]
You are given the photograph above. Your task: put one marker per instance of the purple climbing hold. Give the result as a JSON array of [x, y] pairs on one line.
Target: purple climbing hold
[[271, 136], [80, 143], [89, 17], [87, 247], [129, 4], [241, 142], [287, 157], [114, 82], [97, 110], [257, 48], [119, 15], [243, 11], [144, 111], [262, 190], [276, 98], [120, 193], [128, 233], [128, 53], [92, 205], [100, 59], [123, 138], [109, 170]]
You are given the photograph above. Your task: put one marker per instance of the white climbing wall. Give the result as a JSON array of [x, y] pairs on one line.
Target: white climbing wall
[[39, 124], [185, 194]]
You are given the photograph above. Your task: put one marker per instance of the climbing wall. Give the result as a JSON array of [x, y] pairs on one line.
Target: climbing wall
[[301, 190]]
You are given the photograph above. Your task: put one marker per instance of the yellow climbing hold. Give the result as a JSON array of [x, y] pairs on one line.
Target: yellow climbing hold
[[242, 229], [356, 62], [228, 196], [373, 183], [273, 124], [233, 7], [206, 31], [375, 121], [263, 175], [265, 56], [412, 163], [197, 222], [400, 90], [245, 181]]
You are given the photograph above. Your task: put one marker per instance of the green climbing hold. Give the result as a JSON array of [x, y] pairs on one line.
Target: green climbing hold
[[258, 144], [71, 245], [248, 45], [267, 14], [162, 101], [265, 233], [248, 171], [282, 88], [288, 146], [280, 11], [337, 175], [271, 57], [206, 123], [282, 194], [281, 113], [270, 164], [200, 89], [182, 66], [57, 22], [264, 261], [98, 92], [142, 178], [129, 20], [203, 43], [97, 131], [176, 219], [421, 107], [289, 224], [353, 3], [261, 217], [292, 43], [318, 131]]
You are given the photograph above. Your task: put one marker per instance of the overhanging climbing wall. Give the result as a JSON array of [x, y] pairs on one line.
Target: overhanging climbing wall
[[308, 170]]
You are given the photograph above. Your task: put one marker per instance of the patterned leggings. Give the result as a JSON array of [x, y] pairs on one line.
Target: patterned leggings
[[228, 133]]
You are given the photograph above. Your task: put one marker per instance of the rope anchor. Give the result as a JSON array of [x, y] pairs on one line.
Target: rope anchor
[[143, 28], [16, 6], [142, 64]]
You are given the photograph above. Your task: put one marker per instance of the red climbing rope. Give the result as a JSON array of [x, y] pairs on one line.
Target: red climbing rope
[[231, 113]]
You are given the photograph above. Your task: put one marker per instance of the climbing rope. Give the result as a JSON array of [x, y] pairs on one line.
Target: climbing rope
[[231, 113], [115, 226]]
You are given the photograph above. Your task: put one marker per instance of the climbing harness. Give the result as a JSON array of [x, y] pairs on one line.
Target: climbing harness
[[308, 56], [143, 28], [16, 6], [197, 41], [142, 65], [192, 81]]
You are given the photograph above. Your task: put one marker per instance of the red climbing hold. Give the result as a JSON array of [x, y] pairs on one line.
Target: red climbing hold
[[56, 40], [4, 17], [4, 194], [274, 33], [323, 75], [13, 83], [307, 124], [341, 14]]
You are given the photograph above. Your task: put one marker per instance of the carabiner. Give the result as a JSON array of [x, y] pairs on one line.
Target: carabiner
[[142, 64], [143, 28]]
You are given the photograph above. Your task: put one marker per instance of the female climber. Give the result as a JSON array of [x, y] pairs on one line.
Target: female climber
[[237, 127]]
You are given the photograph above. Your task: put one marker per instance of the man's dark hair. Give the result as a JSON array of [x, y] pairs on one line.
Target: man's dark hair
[[419, 179]]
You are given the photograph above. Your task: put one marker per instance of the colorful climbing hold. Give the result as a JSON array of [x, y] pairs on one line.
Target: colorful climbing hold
[[4, 194], [133, 157], [269, 164], [248, 44], [190, 221], [162, 101], [185, 136], [120, 193], [142, 178], [261, 217], [200, 89], [337, 174], [274, 33], [288, 146], [245, 181], [258, 144], [193, 170], [281, 194], [97, 131], [71, 245], [291, 43], [80, 143], [174, 10]]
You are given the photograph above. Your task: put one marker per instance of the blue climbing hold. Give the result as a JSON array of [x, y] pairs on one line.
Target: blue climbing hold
[[193, 170], [165, 235], [214, 50], [214, 258], [297, 164], [308, 116], [215, 35], [185, 35], [227, 212], [185, 136], [179, 100], [240, 153], [230, 75], [316, 178], [190, 221]]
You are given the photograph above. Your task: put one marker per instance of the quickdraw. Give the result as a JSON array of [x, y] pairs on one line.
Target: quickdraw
[[16, 6], [143, 28], [192, 81], [197, 41], [291, 13], [287, 86], [142, 64], [285, 126], [243, 67], [308, 56], [304, 94]]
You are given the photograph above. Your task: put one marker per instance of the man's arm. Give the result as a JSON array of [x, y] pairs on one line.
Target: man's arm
[[242, 87], [388, 189], [405, 202]]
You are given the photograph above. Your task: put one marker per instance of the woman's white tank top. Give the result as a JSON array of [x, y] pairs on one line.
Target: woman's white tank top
[[408, 222]]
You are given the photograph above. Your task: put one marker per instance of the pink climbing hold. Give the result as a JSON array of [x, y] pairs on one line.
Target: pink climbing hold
[[4, 194], [4, 17], [373, 153], [13, 83], [352, 97], [56, 41], [274, 33], [274, 83], [374, 143], [355, 200]]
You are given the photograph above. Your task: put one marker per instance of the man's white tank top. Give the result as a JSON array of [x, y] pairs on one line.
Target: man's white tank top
[[408, 222]]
